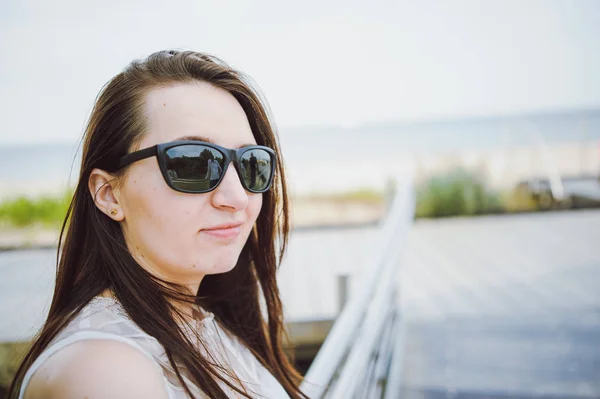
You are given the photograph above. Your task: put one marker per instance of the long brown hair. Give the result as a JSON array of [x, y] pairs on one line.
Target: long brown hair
[[93, 257]]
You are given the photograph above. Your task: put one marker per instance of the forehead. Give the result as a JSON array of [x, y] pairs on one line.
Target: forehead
[[195, 109]]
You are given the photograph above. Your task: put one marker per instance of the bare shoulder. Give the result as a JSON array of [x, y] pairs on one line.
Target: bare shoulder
[[98, 369]]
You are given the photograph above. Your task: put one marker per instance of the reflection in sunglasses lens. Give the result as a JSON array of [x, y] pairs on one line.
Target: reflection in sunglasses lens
[[256, 169], [194, 168]]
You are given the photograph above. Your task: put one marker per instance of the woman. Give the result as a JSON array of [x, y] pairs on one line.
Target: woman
[[165, 277]]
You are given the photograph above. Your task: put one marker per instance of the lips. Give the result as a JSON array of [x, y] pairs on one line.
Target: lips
[[224, 231]]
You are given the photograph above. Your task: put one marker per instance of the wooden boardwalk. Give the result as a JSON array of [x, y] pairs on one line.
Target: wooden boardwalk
[[503, 307]]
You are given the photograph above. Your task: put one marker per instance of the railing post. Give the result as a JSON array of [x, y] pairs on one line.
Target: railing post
[[342, 285], [390, 192]]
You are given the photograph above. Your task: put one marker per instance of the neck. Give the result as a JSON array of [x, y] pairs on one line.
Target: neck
[[189, 311]]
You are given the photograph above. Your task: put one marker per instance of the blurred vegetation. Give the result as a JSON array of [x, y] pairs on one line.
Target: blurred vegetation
[[520, 199], [11, 354], [456, 193], [48, 211], [365, 195]]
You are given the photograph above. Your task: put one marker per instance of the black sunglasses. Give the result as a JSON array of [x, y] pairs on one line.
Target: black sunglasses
[[191, 166]]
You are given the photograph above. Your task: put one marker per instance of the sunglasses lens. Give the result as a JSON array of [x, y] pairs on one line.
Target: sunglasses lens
[[257, 169], [194, 168]]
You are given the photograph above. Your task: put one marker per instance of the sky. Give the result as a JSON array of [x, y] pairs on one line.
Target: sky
[[336, 63]]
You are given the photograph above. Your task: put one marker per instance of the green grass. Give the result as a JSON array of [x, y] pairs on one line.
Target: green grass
[[456, 193], [48, 211]]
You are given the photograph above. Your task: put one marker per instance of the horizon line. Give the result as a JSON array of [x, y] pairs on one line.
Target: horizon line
[[384, 122]]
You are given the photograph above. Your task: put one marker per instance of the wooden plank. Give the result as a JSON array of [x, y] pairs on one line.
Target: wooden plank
[[517, 307]]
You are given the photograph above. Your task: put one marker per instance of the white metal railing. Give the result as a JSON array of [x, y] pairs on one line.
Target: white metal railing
[[361, 356], [554, 180]]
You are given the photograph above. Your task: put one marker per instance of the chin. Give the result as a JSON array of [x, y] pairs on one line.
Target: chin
[[219, 269], [224, 265]]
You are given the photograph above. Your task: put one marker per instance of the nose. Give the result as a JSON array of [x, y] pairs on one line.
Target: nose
[[230, 194]]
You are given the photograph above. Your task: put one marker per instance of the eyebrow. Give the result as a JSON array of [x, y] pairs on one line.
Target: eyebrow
[[207, 140], [196, 138]]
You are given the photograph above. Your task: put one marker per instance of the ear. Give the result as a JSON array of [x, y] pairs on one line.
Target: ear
[[105, 194]]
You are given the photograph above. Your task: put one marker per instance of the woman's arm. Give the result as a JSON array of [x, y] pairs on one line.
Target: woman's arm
[[98, 369]]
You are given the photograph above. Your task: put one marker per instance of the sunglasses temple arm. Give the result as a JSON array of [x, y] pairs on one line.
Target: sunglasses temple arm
[[138, 155]]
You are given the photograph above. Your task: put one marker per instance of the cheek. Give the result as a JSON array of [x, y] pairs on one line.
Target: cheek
[[153, 209], [254, 206]]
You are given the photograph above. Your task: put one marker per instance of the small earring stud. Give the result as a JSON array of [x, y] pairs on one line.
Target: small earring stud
[[114, 212]]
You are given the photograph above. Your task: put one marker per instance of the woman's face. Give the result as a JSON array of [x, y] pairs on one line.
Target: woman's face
[[176, 235]]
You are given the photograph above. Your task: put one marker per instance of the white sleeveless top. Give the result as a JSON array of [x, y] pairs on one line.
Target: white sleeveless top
[[104, 318]]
